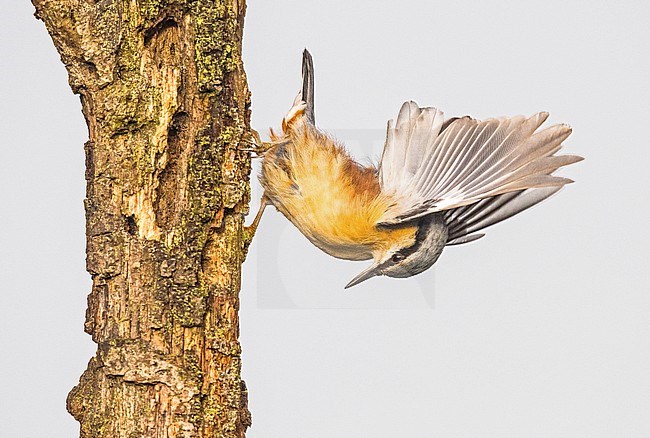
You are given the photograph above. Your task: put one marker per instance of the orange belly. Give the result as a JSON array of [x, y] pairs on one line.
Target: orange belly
[[332, 200]]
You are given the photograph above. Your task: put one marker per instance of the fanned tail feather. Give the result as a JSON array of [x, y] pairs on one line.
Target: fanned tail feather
[[307, 93], [302, 109]]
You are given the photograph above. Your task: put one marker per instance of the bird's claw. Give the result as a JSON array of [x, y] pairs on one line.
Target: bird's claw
[[254, 144]]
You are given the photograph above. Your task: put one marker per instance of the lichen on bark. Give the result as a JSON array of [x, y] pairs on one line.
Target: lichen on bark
[[165, 98]]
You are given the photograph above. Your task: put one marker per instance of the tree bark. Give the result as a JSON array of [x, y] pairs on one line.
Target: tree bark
[[165, 98]]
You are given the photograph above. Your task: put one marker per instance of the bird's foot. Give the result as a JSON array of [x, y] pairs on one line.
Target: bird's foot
[[254, 144]]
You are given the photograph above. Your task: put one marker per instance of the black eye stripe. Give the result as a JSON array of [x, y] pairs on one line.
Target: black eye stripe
[[423, 228], [424, 225]]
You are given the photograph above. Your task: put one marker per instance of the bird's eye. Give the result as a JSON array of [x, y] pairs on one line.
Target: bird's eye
[[397, 257]]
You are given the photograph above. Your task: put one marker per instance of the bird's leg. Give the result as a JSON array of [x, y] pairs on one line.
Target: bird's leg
[[253, 226], [249, 231]]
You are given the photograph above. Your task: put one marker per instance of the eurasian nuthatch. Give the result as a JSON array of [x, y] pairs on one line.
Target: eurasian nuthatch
[[438, 182]]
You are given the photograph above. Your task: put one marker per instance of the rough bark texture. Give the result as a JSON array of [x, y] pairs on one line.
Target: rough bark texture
[[165, 98]]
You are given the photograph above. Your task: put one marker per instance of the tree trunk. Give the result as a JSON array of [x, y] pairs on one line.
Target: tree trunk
[[165, 98]]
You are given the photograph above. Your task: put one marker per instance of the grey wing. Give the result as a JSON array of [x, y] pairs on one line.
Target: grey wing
[[464, 161], [463, 221]]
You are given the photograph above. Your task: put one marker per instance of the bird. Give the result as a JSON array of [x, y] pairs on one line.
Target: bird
[[438, 182]]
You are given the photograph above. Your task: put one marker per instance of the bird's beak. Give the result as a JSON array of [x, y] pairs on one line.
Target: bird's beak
[[364, 275]]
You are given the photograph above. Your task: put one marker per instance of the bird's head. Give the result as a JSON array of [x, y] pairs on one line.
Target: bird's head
[[409, 260]]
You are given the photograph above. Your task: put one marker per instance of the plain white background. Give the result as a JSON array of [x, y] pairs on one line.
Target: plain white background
[[541, 329]]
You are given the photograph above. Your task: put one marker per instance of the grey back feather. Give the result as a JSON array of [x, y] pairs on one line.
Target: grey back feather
[[407, 144]]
